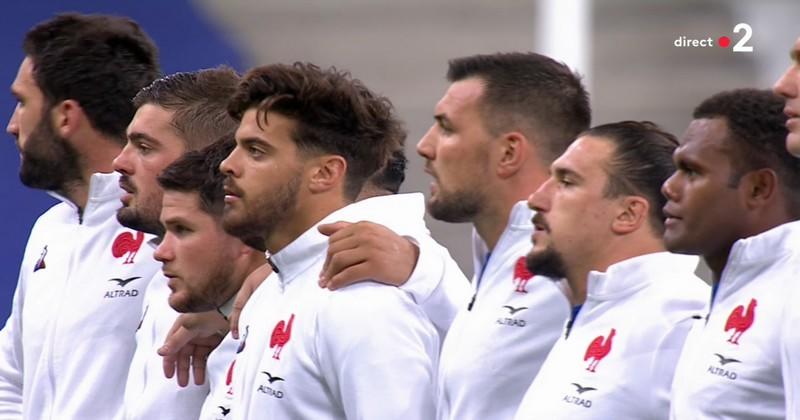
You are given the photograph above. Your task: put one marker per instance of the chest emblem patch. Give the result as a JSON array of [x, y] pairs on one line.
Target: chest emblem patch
[[126, 245], [521, 276], [598, 349], [280, 336], [740, 320]]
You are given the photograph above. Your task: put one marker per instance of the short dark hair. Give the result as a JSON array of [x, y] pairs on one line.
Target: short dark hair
[[641, 162], [334, 113], [199, 100], [198, 171], [531, 93], [99, 61], [757, 136], [392, 175]]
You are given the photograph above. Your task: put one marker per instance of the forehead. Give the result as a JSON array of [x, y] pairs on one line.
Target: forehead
[[462, 96], [24, 82], [275, 128], [705, 137], [181, 203], [588, 155], [154, 121]]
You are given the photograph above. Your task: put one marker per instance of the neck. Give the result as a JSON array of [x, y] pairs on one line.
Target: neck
[[776, 215], [304, 218], [255, 260], [493, 220], [99, 159], [491, 226], [620, 249], [77, 192]]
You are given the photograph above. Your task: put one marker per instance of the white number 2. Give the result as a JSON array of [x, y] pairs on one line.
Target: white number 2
[[748, 32]]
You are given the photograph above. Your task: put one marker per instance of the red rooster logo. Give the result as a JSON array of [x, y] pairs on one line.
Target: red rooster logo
[[521, 275], [126, 244], [739, 321], [598, 349], [280, 336]]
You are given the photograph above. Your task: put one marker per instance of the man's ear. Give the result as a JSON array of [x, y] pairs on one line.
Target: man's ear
[[633, 211], [67, 117], [326, 172], [759, 187], [514, 149]]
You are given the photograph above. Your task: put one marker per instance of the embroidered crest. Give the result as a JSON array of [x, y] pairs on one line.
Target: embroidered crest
[[126, 245], [740, 321], [40, 262], [598, 349], [521, 276], [280, 336]]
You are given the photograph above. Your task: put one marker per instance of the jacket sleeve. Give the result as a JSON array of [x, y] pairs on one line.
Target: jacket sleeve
[[377, 353], [437, 284], [11, 363], [790, 355]]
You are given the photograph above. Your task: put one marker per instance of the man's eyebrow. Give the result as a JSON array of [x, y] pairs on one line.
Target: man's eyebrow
[[136, 135], [561, 172]]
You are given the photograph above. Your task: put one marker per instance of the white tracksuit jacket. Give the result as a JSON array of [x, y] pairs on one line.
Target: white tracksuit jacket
[[219, 372], [148, 393], [493, 351], [618, 359], [790, 348], [66, 348], [731, 367], [367, 351]]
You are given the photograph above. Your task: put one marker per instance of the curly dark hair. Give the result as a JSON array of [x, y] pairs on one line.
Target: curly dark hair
[[199, 100], [99, 61], [531, 93], [641, 162], [757, 127], [334, 113]]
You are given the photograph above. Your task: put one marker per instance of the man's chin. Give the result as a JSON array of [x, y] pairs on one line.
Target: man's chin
[[545, 263], [183, 303]]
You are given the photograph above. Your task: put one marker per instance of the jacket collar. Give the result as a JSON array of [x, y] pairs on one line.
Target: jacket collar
[[766, 246], [636, 273], [400, 212], [103, 188], [518, 228]]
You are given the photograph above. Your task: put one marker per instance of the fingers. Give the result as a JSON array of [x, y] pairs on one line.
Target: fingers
[[335, 247], [199, 359], [339, 273], [176, 340], [350, 275], [183, 364], [331, 228], [250, 284], [168, 365]]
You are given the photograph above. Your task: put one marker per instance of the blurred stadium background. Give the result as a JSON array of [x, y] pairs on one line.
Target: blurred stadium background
[[623, 47]]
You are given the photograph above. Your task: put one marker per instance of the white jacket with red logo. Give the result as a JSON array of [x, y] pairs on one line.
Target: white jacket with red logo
[[221, 362], [367, 351], [219, 374], [148, 393], [731, 366], [66, 348], [617, 359], [494, 349]]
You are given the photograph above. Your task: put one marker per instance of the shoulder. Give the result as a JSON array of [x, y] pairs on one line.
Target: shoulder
[[367, 308]]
